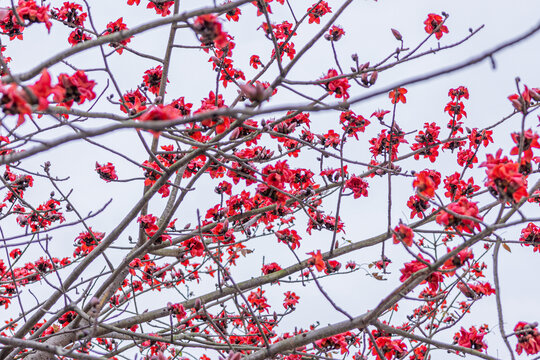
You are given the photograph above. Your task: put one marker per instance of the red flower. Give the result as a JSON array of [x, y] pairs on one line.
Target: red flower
[[233, 14], [117, 26], [530, 141], [162, 8], [76, 88], [528, 338], [316, 11], [152, 79], [194, 246], [87, 241], [427, 142], [390, 348], [270, 268], [467, 158], [357, 185], [258, 300], [331, 138], [106, 172], [335, 33], [352, 123], [455, 110], [69, 12], [504, 178], [255, 61], [412, 267], [78, 36], [403, 233], [530, 236], [159, 112], [290, 237], [472, 339], [337, 87], [210, 32], [133, 100], [458, 93], [29, 10], [14, 102], [398, 95], [291, 299], [426, 182], [379, 114], [317, 260], [461, 207], [418, 206], [434, 24]]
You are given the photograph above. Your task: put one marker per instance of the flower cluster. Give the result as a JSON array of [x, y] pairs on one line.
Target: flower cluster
[[427, 142], [456, 187], [352, 124], [74, 16], [27, 10], [337, 87], [504, 179], [530, 236], [461, 218], [528, 338], [472, 339], [87, 241]]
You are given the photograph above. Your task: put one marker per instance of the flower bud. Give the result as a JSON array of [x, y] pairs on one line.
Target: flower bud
[[397, 34], [364, 78], [373, 77], [535, 94]]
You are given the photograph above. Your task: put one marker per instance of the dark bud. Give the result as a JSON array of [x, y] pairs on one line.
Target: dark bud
[[397, 34], [364, 78], [373, 77]]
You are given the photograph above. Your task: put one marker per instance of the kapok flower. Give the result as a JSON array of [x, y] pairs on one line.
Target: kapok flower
[[159, 112], [504, 178], [462, 207], [528, 338], [358, 186], [530, 141], [117, 26], [403, 233], [107, 172], [426, 182], [473, 339], [434, 24], [413, 267], [398, 95], [76, 88], [530, 236], [337, 87], [316, 11], [317, 260]]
